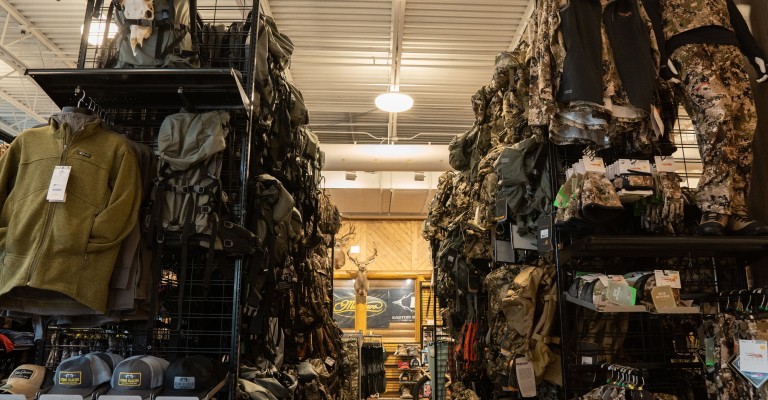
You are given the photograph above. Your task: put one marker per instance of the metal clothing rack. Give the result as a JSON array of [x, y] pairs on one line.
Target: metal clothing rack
[[135, 101], [662, 346]]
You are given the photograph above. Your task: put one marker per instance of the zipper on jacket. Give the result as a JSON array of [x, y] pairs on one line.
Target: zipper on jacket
[[49, 213]]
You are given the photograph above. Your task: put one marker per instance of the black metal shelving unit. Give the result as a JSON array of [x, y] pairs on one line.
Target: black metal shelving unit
[[137, 100], [664, 346]]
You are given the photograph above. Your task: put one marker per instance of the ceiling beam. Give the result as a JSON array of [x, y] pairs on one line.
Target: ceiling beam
[[14, 62], [522, 25], [22, 107], [5, 128], [396, 54], [44, 40], [267, 10]]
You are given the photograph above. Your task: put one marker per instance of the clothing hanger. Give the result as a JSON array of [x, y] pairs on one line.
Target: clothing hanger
[[78, 109]]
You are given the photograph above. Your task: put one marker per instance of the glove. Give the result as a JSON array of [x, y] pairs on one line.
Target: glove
[[762, 76]]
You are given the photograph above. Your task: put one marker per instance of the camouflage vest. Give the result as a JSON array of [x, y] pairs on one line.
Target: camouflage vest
[[679, 16]]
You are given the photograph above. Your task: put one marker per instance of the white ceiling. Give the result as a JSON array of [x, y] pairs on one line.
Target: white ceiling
[[347, 52]]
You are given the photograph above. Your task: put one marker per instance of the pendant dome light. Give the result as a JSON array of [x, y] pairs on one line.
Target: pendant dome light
[[394, 101]]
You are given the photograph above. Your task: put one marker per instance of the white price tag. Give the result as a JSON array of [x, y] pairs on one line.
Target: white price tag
[[627, 166], [664, 164], [593, 164], [526, 380], [753, 356], [669, 278], [57, 190]]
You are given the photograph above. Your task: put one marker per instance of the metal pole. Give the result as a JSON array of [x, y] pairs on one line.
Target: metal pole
[[89, 10]]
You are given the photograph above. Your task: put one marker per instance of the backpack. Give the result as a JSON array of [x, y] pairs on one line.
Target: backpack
[[169, 45], [187, 200]]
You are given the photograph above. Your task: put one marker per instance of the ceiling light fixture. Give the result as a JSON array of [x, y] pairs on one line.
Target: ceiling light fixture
[[350, 175], [394, 101]]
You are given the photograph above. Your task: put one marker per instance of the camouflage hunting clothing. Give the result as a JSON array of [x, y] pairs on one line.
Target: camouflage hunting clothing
[[599, 201], [717, 96], [723, 383], [679, 16], [350, 389], [487, 187]]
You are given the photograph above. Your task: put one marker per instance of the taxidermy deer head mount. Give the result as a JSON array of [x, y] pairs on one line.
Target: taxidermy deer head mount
[[361, 280], [338, 247]]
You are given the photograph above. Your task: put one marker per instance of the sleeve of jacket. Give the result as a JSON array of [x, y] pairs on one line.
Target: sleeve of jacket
[[120, 215], [9, 165], [654, 15], [542, 97]]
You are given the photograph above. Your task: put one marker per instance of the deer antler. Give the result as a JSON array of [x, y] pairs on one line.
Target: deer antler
[[347, 237], [367, 261]]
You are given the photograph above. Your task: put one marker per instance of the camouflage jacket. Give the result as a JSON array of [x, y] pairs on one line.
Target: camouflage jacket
[[680, 16]]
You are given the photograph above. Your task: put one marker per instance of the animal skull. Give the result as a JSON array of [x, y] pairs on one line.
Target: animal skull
[[139, 9]]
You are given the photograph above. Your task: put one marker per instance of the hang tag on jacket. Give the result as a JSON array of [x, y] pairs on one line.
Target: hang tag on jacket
[[57, 190], [526, 379]]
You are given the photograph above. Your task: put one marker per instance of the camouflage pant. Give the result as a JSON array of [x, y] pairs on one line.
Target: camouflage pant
[[717, 96], [722, 382]]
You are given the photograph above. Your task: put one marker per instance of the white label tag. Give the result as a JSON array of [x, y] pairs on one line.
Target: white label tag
[[330, 361], [544, 233], [753, 356], [593, 164], [629, 166], [586, 360], [57, 190], [665, 164], [526, 380], [668, 278], [658, 124]]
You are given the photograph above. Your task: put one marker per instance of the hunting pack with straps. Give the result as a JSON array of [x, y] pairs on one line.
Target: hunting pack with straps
[[151, 34], [188, 204]]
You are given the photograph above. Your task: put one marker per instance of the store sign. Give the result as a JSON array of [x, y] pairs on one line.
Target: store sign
[[384, 306], [344, 307], [402, 305]]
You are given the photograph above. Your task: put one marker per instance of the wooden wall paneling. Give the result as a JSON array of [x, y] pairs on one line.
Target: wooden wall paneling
[[400, 245]]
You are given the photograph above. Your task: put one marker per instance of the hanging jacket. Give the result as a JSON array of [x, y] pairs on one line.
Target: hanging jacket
[[57, 258]]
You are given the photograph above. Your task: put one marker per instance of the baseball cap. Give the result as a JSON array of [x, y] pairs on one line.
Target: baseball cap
[[192, 376], [111, 359], [80, 375], [138, 376], [27, 380]]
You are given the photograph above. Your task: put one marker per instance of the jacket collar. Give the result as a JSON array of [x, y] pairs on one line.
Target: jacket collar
[[66, 124]]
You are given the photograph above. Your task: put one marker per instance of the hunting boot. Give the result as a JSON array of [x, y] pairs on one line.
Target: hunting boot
[[713, 224], [741, 224]]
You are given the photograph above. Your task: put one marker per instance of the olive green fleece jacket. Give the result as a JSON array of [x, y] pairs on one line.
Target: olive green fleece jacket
[[56, 258]]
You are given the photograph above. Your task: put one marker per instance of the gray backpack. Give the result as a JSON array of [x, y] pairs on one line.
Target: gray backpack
[[169, 46], [187, 200]]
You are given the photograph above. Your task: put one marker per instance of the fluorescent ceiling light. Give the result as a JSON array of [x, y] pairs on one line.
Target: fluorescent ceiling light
[[394, 102]]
